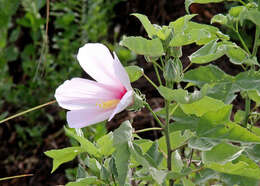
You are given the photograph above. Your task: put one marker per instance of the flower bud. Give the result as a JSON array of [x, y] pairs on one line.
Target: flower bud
[[173, 70], [175, 52], [139, 100]]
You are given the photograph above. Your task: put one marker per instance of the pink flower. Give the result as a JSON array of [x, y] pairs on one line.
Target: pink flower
[[90, 101]]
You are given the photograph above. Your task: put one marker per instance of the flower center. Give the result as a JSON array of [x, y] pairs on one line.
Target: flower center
[[108, 104]]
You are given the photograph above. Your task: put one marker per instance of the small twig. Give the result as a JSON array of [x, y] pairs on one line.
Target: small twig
[[14, 177], [29, 110], [150, 81], [147, 129]]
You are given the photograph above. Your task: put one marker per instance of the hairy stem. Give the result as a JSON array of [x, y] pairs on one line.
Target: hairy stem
[[168, 142], [154, 115], [247, 111]]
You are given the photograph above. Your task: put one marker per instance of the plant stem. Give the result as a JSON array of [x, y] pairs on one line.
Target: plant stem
[[147, 129], [168, 142], [162, 62], [26, 111], [150, 81], [247, 111], [242, 2], [157, 74], [154, 115], [13, 177], [241, 39], [187, 67], [257, 33]]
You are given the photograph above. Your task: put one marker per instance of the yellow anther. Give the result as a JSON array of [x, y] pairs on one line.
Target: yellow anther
[[108, 104]]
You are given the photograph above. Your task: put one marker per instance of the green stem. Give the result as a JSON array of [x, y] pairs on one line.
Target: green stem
[[187, 67], [257, 33], [247, 111], [157, 74], [154, 115], [241, 39], [147, 129], [26, 111], [168, 142], [242, 2], [162, 62], [13, 177], [150, 81]]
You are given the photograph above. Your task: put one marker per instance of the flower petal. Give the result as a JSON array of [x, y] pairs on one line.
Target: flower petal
[[86, 117], [126, 100], [79, 93], [121, 73], [98, 62]]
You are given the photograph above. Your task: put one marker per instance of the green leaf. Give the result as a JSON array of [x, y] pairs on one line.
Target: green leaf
[[189, 2], [207, 74], [239, 116], [177, 163], [153, 155], [177, 139], [253, 152], [183, 96], [149, 28], [85, 181], [254, 16], [187, 182], [121, 138], [134, 72], [249, 80], [215, 125], [144, 46], [223, 84], [235, 53], [81, 172], [85, 144], [209, 52], [202, 106], [105, 144], [238, 180], [219, 18], [240, 168], [221, 153], [203, 144], [93, 165], [157, 175], [254, 95], [187, 32], [61, 156]]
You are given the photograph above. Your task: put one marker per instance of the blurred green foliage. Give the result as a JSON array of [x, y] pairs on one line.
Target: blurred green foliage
[[33, 65]]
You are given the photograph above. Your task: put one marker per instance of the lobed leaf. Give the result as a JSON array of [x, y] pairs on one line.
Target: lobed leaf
[[149, 28], [121, 138], [134, 72], [142, 46], [221, 153], [61, 156]]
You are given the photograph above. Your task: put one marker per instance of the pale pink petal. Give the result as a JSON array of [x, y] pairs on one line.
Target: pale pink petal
[[121, 73], [86, 117], [79, 93], [126, 100], [98, 62]]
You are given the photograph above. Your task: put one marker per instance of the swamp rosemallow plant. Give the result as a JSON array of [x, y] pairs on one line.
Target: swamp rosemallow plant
[[201, 143], [91, 101]]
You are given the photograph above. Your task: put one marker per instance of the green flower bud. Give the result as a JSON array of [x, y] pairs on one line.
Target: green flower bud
[[173, 70], [139, 100], [175, 52]]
